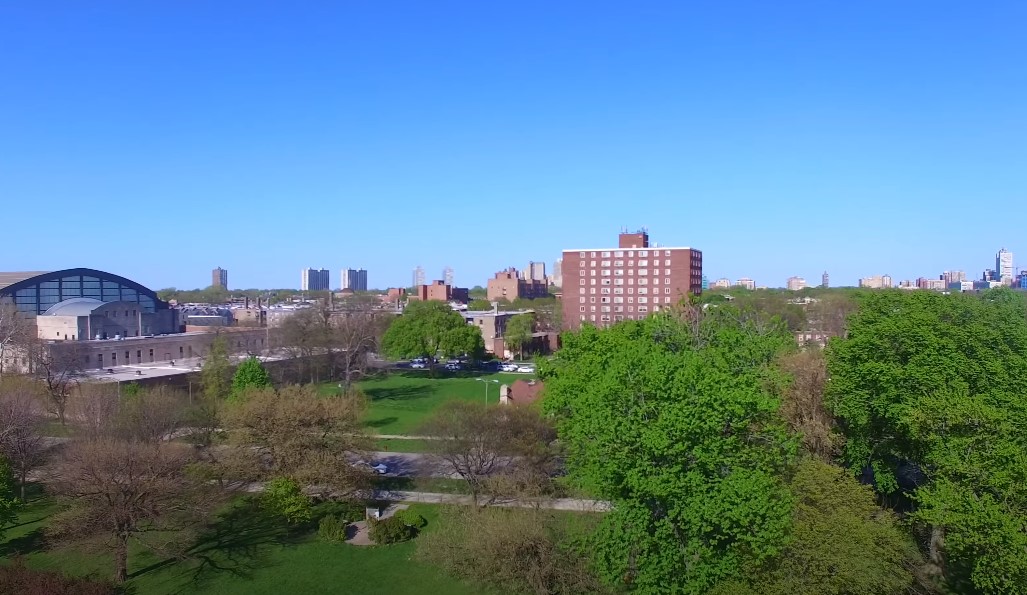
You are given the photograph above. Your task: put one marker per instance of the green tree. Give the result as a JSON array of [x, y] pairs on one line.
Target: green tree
[[931, 392], [216, 374], [840, 543], [250, 373], [518, 332], [9, 503], [479, 304], [284, 497], [431, 329], [674, 424]]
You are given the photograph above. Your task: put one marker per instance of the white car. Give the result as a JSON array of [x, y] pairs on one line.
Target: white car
[[509, 367], [381, 468], [527, 369], [417, 365]]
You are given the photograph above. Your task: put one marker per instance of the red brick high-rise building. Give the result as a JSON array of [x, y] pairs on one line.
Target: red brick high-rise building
[[602, 286]]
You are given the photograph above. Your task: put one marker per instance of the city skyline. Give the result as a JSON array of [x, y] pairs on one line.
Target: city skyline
[[819, 149]]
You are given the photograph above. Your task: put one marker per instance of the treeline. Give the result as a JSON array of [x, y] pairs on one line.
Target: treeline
[[890, 462]]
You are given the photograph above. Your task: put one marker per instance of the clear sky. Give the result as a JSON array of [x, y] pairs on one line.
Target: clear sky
[[158, 140]]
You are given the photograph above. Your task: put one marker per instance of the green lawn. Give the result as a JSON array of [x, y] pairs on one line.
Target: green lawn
[[245, 553], [400, 401], [402, 445]]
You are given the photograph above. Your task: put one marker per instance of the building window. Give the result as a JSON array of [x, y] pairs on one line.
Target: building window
[[643, 253], [643, 308], [666, 300], [643, 263], [643, 271], [593, 282], [631, 290], [618, 272], [604, 300], [581, 272], [605, 291], [593, 256], [581, 308], [582, 282], [618, 308], [618, 318], [581, 255], [618, 290], [582, 317], [114, 359], [592, 290], [631, 252], [592, 272], [582, 299], [666, 272], [605, 272], [605, 318], [593, 318], [582, 264], [606, 254], [605, 263], [604, 309], [666, 252], [618, 300], [643, 300], [631, 300], [593, 308], [618, 281], [618, 253], [592, 300], [666, 290], [631, 263]]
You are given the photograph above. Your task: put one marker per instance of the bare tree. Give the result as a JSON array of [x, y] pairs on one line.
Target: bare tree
[[802, 402], [15, 330], [355, 334], [469, 439], [21, 437], [58, 367], [311, 439], [120, 490]]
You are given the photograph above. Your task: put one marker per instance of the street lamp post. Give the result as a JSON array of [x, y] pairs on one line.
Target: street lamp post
[[486, 381]]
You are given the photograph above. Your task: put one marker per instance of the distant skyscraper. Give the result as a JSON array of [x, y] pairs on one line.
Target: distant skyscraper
[[354, 279], [418, 278], [315, 280], [796, 283], [557, 278], [825, 280], [951, 277], [536, 271], [1004, 265], [705, 282], [447, 275], [219, 278], [746, 283]]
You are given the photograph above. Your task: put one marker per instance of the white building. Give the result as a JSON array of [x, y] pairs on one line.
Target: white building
[[795, 283], [876, 282], [722, 283], [557, 278], [746, 283], [1004, 266], [315, 280], [418, 277], [354, 279], [447, 276], [536, 271]]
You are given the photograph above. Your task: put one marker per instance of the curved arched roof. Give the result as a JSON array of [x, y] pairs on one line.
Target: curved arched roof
[[36, 293], [74, 307]]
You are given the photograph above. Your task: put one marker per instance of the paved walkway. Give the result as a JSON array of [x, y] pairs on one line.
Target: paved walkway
[[572, 504]]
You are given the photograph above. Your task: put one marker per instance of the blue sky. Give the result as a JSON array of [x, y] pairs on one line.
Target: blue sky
[[159, 140]]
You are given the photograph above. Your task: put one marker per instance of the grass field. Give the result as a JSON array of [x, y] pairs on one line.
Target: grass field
[[247, 553], [400, 402]]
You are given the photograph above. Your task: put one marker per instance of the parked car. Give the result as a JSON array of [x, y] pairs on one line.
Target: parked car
[[418, 365], [381, 468], [508, 367], [526, 369], [452, 367]]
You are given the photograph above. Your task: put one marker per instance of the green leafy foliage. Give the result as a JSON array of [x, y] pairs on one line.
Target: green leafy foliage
[[332, 528], [518, 332], [430, 329], [412, 518], [9, 502], [251, 373], [216, 375], [390, 530], [479, 304], [672, 423], [284, 497], [938, 384]]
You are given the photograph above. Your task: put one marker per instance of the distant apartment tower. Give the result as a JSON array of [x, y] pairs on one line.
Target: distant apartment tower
[[440, 291], [219, 278], [825, 280], [418, 277], [746, 283], [508, 285], [952, 277], [876, 282], [315, 280], [536, 271], [354, 279], [1004, 265], [447, 275], [722, 283], [606, 285], [557, 276], [795, 283]]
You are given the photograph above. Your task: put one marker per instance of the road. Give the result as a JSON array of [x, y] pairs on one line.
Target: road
[[572, 504]]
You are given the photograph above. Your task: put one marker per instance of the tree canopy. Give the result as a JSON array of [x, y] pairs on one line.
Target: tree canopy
[[931, 393], [251, 373], [518, 332], [430, 328], [674, 425]]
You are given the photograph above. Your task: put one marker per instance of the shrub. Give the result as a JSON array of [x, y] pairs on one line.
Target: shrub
[[284, 497], [412, 519], [332, 528], [390, 530], [348, 511], [17, 578]]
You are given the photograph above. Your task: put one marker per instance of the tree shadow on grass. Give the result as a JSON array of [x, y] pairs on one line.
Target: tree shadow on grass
[[380, 422], [33, 541], [239, 542], [401, 393]]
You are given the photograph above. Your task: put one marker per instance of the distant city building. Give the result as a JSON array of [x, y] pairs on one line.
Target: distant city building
[[705, 282], [447, 275], [746, 282], [439, 291], [1022, 280], [722, 283], [219, 278], [418, 277], [508, 285], [1004, 265], [795, 283], [315, 280], [557, 277], [354, 279], [825, 280], [934, 284], [627, 282], [989, 275], [876, 282], [966, 286], [951, 277], [536, 271]]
